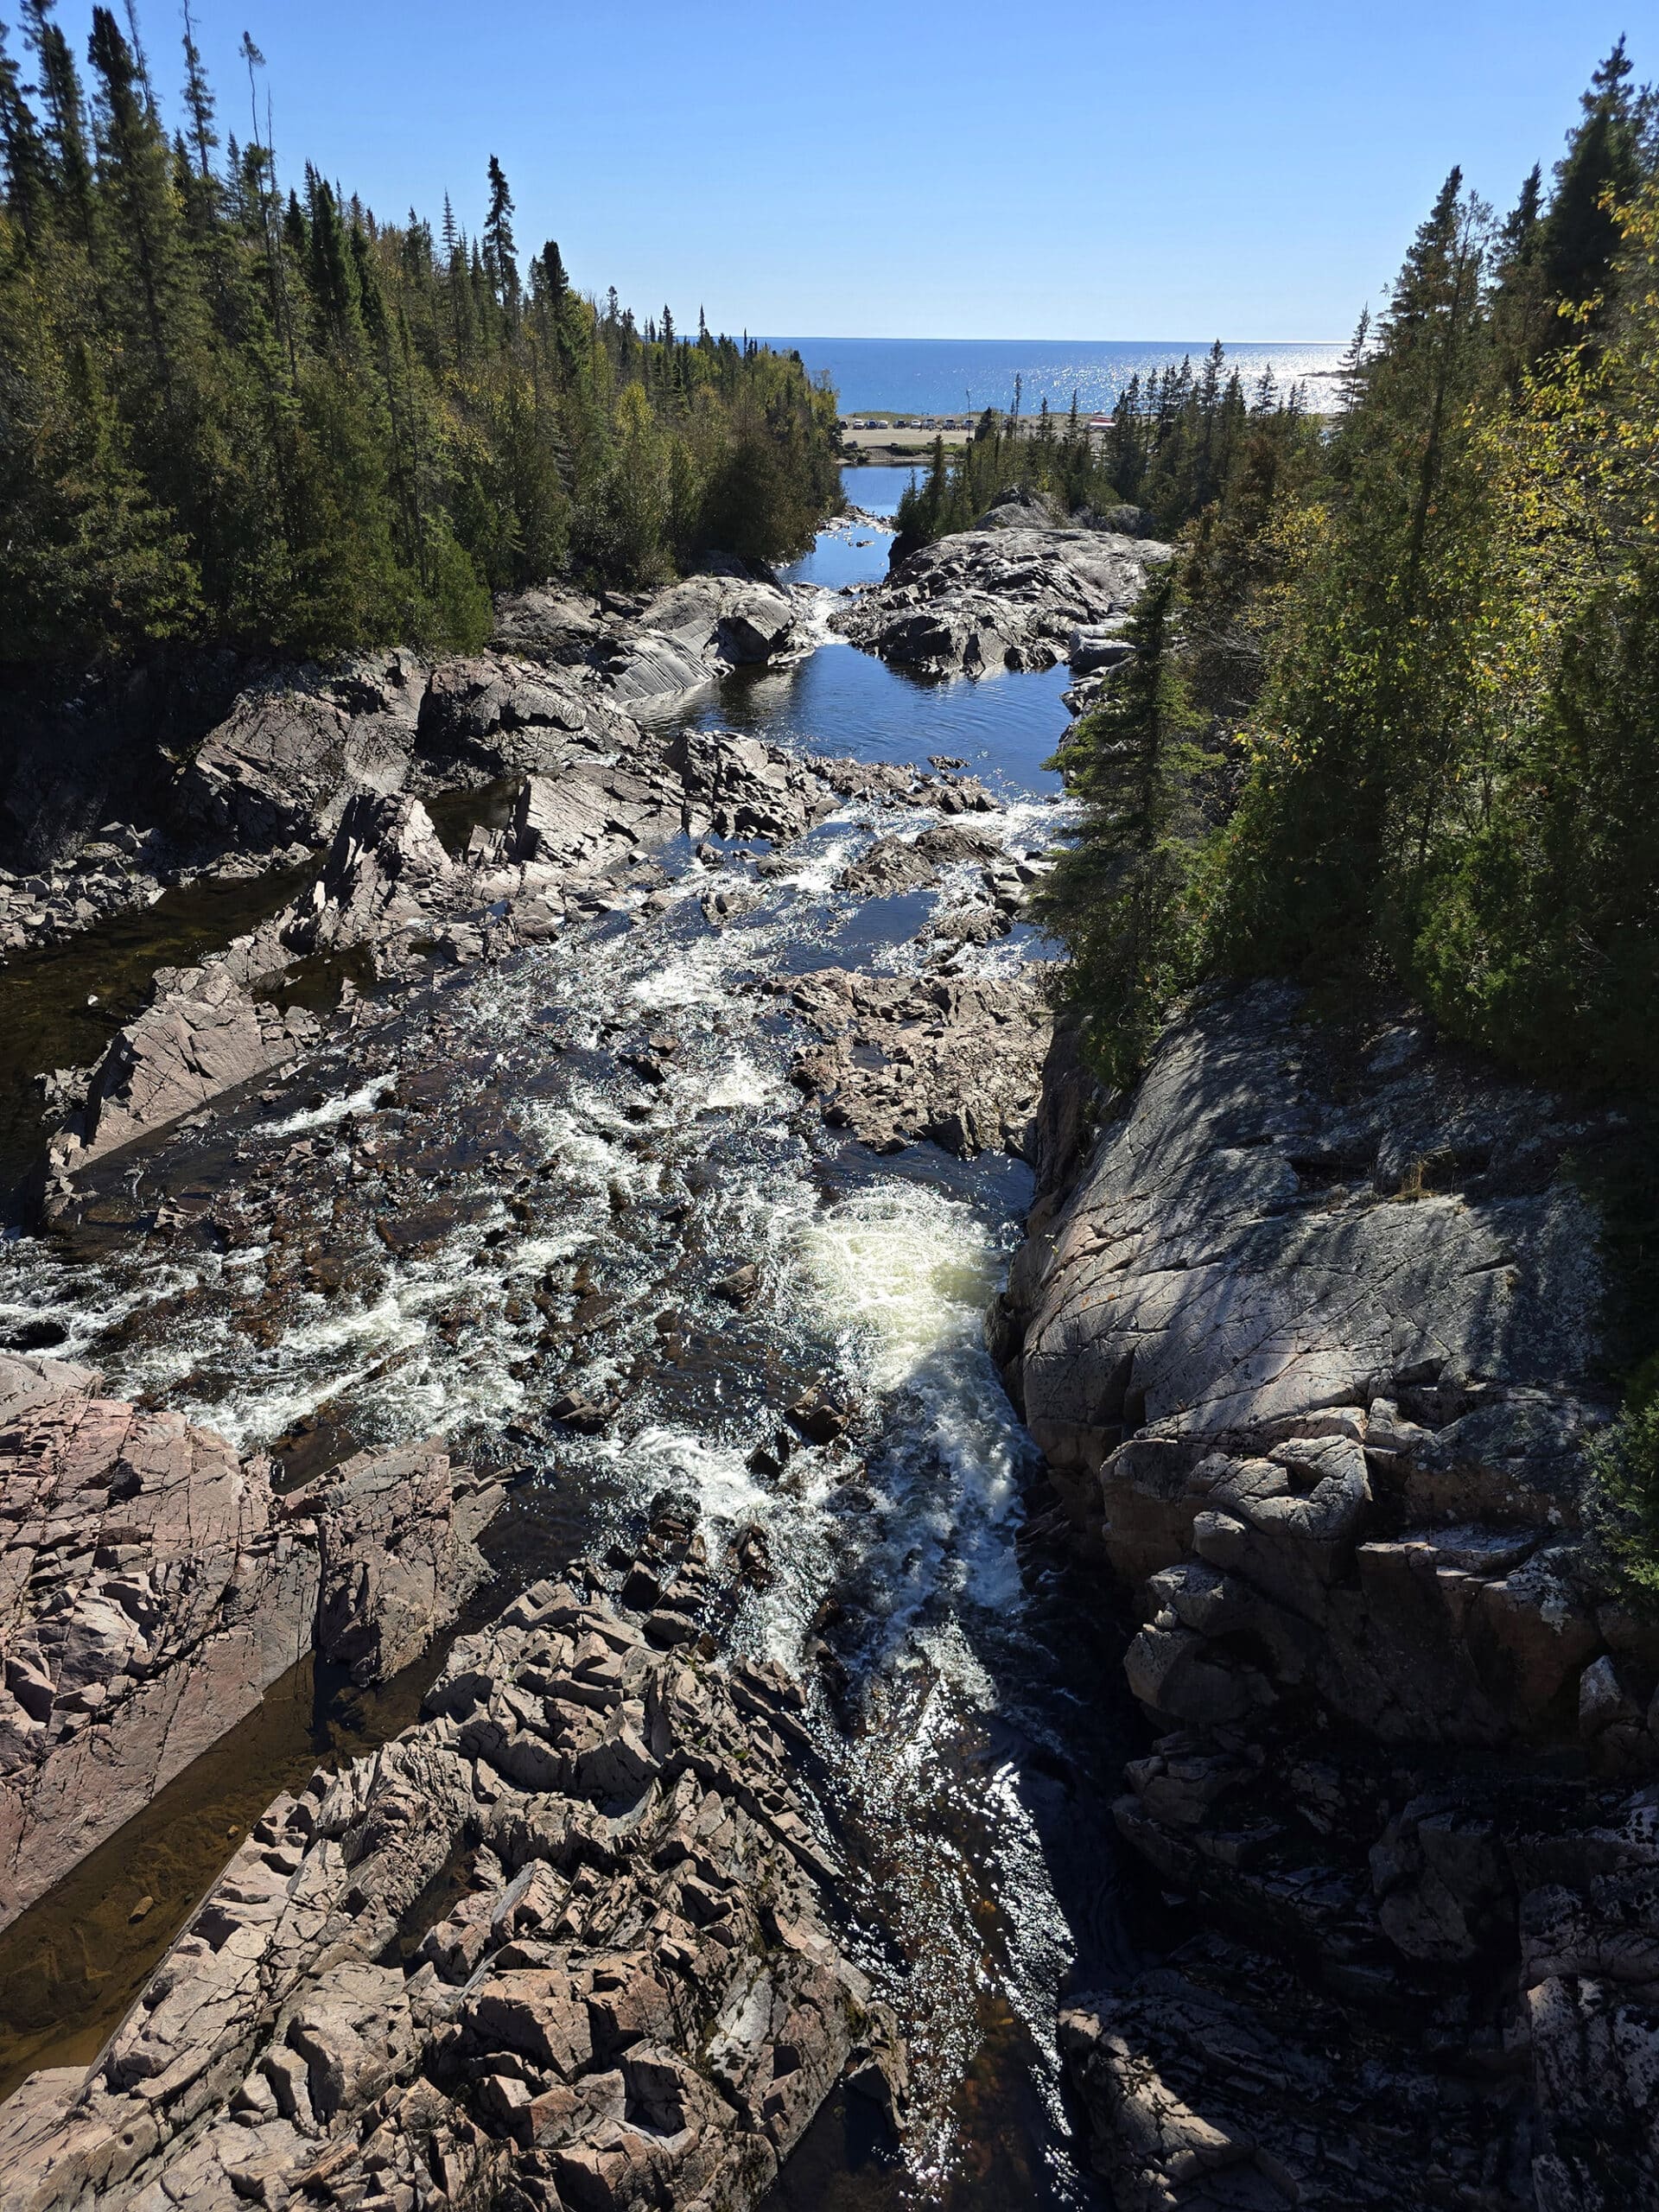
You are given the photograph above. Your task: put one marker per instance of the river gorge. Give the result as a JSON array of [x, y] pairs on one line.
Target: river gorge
[[659, 1151]]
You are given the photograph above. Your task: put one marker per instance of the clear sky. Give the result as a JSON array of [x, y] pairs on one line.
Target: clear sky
[[930, 170]]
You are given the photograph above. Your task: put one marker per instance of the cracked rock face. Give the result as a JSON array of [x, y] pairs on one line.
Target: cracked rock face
[[280, 768], [1257, 1250], [645, 650], [153, 1587], [957, 1060], [561, 1944], [1311, 1347], [1004, 597], [204, 1034]]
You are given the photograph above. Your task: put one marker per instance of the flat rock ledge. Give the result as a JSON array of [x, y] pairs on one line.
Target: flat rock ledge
[[1003, 597], [560, 1944], [153, 1586], [1310, 1344]]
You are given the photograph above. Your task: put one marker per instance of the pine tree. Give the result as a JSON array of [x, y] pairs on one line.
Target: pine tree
[[1598, 175], [1119, 894], [23, 152], [134, 174], [500, 255]]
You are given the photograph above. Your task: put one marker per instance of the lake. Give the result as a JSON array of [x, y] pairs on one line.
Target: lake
[[946, 375]]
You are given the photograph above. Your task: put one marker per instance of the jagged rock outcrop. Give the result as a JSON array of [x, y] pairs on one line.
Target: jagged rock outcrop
[[896, 863], [957, 1060], [496, 717], [745, 787], [1003, 597], [153, 1586], [561, 1944], [649, 648], [278, 771], [385, 868], [1312, 1348], [202, 1035]]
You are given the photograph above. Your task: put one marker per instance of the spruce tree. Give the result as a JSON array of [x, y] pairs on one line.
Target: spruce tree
[[500, 255], [1598, 174]]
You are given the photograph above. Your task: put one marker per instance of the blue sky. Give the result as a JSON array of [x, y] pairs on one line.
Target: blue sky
[[1139, 171]]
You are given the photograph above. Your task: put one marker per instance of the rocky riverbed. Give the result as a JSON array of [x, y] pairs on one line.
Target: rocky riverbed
[[554, 1237], [650, 1126]]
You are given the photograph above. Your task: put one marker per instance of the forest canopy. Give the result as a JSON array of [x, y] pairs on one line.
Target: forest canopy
[[235, 412], [1393, 713]]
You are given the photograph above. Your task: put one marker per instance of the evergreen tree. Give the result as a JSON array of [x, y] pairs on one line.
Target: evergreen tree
[[500, 255], [1120, 894], [1597, 177]]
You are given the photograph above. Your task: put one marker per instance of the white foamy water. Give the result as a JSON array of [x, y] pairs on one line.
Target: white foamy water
[[590, 1223]]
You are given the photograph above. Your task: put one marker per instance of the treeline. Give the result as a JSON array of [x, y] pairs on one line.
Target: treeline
[[1174, 443], [1392, 714], [232, 413]]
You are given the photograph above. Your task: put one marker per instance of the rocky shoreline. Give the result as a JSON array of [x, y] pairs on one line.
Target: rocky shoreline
[[563, 1939]]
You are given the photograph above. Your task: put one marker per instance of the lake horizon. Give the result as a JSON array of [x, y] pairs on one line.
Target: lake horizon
[[949, 376]]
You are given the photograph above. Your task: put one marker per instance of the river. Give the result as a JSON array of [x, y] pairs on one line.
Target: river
[[481, 1205]]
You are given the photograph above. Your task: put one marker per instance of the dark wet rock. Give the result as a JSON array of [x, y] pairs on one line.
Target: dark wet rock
[[957, 1060], [741, 1286], [587, 1416], [898, 863], [562, 1944], [819, 1417], [1004, 597], [153, 1586]]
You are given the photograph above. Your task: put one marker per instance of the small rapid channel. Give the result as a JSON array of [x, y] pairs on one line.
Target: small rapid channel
[[481, 1204]]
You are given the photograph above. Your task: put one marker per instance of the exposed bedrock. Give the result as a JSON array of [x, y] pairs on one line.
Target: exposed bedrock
[[1310, 1342], [957, 1060], [560, 1944], [154, 1586], [647, 647], [1009, 596], [117, 786]]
